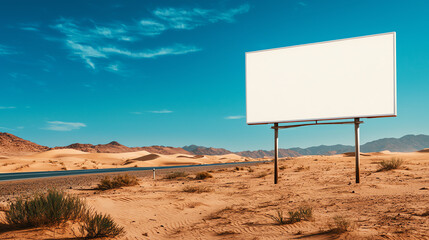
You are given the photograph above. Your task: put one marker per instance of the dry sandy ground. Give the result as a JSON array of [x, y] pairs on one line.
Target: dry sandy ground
[[386, 205], [71, 159]]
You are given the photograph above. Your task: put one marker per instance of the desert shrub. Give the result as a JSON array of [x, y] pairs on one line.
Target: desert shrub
[[250, 169], [97, 225], [393, 163], [302, 168], [197, 189], [303, 213], [117, 182], [262, 174], [175, 175], [53, 208], [278, 217], [203, 175], [282, 167], [341, 224]]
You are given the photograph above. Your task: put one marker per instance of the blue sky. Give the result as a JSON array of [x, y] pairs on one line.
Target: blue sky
[[173, 72]]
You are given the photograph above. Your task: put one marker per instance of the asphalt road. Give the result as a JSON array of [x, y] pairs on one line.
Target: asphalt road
[[47, 174]]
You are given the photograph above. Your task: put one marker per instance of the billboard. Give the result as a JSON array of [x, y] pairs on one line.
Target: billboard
[[347, 78]]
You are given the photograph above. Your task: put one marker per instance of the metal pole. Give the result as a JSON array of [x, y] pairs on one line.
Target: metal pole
[[154, 173], [357, 149], [276, 153]]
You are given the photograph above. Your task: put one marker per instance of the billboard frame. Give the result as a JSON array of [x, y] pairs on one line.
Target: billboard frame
[[356, 119], [328, 118]]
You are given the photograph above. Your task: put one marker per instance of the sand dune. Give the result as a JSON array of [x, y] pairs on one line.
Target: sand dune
[[71, 159]]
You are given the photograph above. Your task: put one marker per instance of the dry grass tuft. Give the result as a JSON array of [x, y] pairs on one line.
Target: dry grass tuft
[[117, 182], [176, 175], [97, 225], [341, 224], [203, 175], [391, 164], [279, 218], [262, 174], [301, 214], [196, 189], [302, 168]]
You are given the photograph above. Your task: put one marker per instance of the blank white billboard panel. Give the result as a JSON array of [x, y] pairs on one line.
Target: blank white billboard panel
[[348, 78]]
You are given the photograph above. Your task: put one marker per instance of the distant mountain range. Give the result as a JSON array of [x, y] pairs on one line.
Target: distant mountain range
[[409, 143]]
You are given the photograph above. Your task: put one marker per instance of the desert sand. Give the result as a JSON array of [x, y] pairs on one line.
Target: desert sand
[[385, 205], [71, 159]]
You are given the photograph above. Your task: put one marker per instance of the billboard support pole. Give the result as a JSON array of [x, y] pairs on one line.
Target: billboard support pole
[[276, 128], [357, 149], [276, 153]]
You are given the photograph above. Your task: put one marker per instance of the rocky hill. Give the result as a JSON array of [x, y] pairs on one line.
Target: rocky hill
[[12, 144], [112, 147], [199, 150], [115, 147], [164, 150]]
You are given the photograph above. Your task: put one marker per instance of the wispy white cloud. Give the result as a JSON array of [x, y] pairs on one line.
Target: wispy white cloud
[[85, 52], [3, 107], [101, 41], [5, 50], [303, 4], [137, 113], [90, 41], [151, 27], [113, 67], [161, 111], [174, 50], [181, 18], [32, 27], [63, 126], [234, 117], [19, 75]]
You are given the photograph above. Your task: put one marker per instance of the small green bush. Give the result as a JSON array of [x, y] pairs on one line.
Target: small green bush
[[97, 225], [203, 175], [53, 208], [176, 175], [197, 189], [393, 163], [117, 182]]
